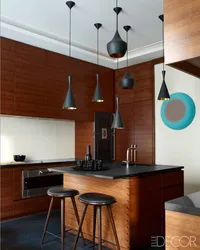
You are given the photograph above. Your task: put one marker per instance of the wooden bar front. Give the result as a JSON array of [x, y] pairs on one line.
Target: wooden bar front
[[139, 210]]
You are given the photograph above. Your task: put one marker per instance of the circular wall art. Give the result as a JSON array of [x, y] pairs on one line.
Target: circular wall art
[[178, 112]]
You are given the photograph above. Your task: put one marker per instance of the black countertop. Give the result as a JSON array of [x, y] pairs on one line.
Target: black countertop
[[37, 162], [189, 204], [117, 170]]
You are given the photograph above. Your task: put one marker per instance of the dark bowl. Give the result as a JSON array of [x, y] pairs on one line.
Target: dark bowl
[[19, 157]]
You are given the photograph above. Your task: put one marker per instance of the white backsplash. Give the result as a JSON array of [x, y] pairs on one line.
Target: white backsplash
[[36, 138]]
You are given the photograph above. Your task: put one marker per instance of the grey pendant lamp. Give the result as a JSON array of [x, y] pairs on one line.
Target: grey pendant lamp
[[97, 97], [69, 102], [164, 93], [118, 122], [117, 47], [127, 81]]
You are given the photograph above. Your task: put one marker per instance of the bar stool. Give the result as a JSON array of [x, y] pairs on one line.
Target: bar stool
[[62, 193], [97, 200]]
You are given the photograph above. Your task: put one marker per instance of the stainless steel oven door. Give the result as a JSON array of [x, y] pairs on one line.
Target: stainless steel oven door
[[36, 182]]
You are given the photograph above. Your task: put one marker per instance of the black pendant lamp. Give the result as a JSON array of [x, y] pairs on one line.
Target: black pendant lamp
[[117, 47], [69, 102], [127, 81], [118, 122], [164, 93], [97, 97]]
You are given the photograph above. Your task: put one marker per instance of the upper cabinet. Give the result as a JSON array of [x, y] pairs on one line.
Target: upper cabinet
[[137, 110], [34, 83], [182, 35]]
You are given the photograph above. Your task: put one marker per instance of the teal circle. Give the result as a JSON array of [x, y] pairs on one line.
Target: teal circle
[[190, 111]]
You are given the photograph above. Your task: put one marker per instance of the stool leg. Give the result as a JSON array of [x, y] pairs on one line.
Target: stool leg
[[94, 225], [113, 226], [80, 225], [77, 216], [62, 222], [99, 227], [47, 220]]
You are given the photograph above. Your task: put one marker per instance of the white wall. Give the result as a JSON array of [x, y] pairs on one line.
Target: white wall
[[38, 139], [179, 147]]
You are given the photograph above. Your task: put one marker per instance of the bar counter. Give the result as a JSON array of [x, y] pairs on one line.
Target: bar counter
[[140, 191]]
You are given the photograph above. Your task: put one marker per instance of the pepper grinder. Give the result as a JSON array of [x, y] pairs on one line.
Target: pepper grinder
[[88, 155]]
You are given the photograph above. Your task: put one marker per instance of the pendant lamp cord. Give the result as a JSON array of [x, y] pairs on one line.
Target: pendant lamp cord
[[127, 48], [97, 46], [70, 24], [163, 44], [117, 30], [116, 16]]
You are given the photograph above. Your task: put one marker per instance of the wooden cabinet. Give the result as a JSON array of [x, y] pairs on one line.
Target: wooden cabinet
[[137, 110], [34, 83], [144, 130], [83, 137], [11, 202], [182, 35], [6, 192], [172, 186], [148, 195]]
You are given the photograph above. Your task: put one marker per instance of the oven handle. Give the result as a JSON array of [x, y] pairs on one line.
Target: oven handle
[[45, 172]]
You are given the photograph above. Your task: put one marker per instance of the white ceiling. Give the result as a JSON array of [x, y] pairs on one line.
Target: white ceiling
[[45, 23]]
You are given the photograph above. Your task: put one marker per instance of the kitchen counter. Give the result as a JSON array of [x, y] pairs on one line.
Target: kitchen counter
[[117, 170], [189, 204], [36, 162], [140, 192]]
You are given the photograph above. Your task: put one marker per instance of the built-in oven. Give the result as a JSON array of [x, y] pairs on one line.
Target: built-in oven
[[36, 182]]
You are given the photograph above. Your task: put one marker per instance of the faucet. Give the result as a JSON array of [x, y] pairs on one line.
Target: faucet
[[134, 148]]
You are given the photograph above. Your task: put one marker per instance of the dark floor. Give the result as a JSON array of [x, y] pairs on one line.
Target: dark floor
[[25, 234]]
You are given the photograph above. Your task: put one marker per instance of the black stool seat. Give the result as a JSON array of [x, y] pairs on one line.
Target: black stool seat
[[62, 192], [97, 199]]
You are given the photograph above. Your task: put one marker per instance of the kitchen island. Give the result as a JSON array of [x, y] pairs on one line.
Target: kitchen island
[[140, 191]]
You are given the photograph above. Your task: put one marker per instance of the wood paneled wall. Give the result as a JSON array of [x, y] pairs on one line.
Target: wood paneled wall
[[83, 137], [137, 110], [34, 83]]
